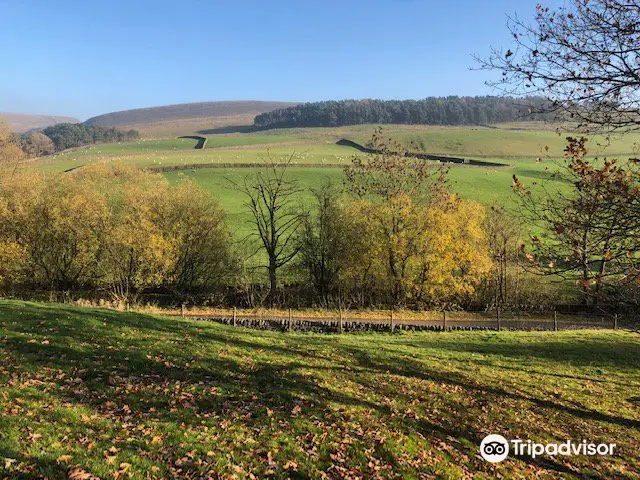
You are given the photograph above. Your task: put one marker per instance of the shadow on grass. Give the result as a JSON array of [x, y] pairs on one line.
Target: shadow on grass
[[451, 378], [129, 381], [230, 129]]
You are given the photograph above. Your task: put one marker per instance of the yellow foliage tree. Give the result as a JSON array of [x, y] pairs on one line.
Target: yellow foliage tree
[[424, 255], [11, 155], [454, 255], [113, 227]]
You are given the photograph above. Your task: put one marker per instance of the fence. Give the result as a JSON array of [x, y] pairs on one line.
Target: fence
[[487, 320]]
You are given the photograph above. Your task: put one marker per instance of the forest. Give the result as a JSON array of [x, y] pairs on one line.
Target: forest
[[452, 110], [69, 135]]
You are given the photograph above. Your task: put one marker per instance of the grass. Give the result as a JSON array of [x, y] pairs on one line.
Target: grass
[[124, 395], [219, 181], [485, 185], [513, 144]]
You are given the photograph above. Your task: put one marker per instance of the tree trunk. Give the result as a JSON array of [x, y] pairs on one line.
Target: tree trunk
[[273, 282]]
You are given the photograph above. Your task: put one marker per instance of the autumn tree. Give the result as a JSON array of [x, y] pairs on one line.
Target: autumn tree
[[271, 198], [454, 255], [195, 224], [582, 56], [35, 144], [161, 235], [443, 259], [390, 186], [591, 228], [58, 225], [11, 154], [110, 228]]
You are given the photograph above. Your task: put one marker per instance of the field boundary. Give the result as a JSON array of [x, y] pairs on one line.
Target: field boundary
[[195, 166], [424, 156], [202, 141], [482, 322]]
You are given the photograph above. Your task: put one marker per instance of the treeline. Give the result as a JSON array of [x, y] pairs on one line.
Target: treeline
[[112, 231], [451, 110], [69, 135]]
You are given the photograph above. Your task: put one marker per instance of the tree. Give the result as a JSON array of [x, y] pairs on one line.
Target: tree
[[390, 187], [324, 238], [194, 224], [69, 135], [35, 144], [57, 224], [590, 230], [276, 217], [504, 238], [136, 252], [453, 253], [451, 110], [583, 57], [11, 154]]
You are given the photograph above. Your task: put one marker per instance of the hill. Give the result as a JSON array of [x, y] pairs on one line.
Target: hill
[[98, 392], [22, 122], [187, 118]]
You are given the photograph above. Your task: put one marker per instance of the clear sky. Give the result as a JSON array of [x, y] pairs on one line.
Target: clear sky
[[84, 58]]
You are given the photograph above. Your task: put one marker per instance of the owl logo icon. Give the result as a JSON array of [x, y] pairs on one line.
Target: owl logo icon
[[494, 448]]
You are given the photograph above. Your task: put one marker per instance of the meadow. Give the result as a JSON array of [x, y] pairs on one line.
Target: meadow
[[95, 393], [530, 151]]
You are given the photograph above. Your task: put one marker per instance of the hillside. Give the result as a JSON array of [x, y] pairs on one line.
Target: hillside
[[22, 122], [187, 118]]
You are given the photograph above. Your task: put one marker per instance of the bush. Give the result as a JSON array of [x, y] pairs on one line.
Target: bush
[[117, 229]]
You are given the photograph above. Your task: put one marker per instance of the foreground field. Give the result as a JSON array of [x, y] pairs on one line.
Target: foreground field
[[141, 396]]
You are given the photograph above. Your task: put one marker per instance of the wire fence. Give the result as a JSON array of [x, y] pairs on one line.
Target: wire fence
[[458, 320]]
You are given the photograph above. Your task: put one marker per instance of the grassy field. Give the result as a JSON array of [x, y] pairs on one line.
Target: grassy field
[[316, 146], [486, 185], [516, 145], [139, 396]]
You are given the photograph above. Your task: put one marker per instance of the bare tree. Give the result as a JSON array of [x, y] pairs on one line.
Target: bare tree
[[504, 234], [276, 215], [584, 57]]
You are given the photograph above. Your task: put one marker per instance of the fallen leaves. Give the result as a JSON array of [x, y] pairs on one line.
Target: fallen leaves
[[367, 411], [77, 473]]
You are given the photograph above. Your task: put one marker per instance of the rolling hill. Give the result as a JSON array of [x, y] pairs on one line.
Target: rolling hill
[[22, 122], [187, 118]]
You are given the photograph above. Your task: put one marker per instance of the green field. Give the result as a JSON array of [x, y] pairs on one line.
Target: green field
[[515, 145], [139, 396]]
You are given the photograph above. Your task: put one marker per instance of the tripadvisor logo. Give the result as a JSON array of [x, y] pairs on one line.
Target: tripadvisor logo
[[495, 448]]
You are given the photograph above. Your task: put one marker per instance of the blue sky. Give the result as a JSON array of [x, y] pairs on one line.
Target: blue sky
[[83, 58]]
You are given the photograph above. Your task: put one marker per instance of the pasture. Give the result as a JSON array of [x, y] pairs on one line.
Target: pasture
[[127, 395], [516, 145]]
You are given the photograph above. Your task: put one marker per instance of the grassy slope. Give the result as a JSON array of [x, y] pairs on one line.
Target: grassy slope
[[165, 398], [510, 144]]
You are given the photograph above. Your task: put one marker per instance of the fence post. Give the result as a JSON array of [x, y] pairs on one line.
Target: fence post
[[498, 316], [234, 316], [391, 318], [182, 310], [444, 319], [290, 322], [555, 319], [615, 321], [340, 324]]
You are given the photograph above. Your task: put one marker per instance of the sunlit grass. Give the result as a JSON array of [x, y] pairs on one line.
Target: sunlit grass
[[154, 397]]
